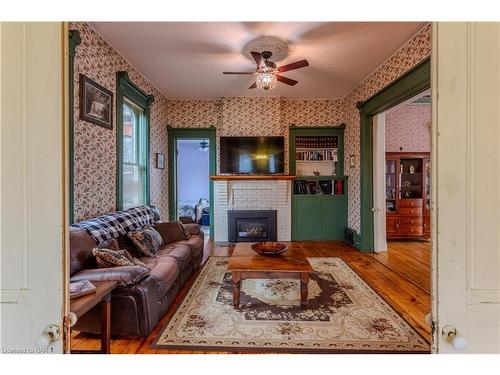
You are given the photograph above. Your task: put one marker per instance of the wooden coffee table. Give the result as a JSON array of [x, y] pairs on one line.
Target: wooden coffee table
[[247, 264]]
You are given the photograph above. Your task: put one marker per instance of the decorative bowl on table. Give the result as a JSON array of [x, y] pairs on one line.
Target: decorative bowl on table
[[269, 248]]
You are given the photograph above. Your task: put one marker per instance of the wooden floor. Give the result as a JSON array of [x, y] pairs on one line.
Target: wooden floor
[[401, 276]]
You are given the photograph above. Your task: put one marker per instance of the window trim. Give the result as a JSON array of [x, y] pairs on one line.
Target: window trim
[[125, 88]]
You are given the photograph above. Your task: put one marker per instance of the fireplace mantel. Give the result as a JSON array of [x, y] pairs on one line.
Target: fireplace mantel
[[252, 177]]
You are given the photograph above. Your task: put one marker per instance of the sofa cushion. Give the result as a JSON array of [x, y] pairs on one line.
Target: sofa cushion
[[181, 253], [165, 271], [172, 231], [148, 241], [193, 228], [194, 242], [81, 246]]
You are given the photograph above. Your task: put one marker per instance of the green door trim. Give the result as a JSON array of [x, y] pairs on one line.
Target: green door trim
[[413, 82], [125, 88], [190, 133]]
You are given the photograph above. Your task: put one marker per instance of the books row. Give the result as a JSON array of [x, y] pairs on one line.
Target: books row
[[323, 155], [314, 187], [316, 142]]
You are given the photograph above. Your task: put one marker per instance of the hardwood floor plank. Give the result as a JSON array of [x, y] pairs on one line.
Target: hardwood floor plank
[[401, 277], [411, 260]]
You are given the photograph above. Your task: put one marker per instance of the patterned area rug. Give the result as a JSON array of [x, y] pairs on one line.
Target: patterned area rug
[[343, 315]]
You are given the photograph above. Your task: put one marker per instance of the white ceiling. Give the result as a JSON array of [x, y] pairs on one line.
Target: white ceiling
[[185, 60]]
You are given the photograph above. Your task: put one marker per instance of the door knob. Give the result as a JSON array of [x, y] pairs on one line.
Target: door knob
[[50, 334], [451, 335]]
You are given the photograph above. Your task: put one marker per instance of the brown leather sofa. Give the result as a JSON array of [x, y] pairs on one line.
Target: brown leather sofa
[[143, 294]]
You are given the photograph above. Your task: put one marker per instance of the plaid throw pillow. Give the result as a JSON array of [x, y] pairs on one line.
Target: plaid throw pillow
[[148, 241], [107, 258]]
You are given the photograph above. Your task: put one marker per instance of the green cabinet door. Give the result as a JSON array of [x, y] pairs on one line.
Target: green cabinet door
[[307, 218], [334, 217]]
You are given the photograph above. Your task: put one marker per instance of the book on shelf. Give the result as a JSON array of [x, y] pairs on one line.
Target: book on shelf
[[317, 155], [81, 288], [338, 187], [316, 142], [316, 187]]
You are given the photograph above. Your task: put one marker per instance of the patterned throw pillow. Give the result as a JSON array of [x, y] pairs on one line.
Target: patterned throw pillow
[[148, 241], [107, 258]]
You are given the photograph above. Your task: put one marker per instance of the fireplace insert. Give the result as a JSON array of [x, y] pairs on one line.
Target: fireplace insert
[[251, 225]]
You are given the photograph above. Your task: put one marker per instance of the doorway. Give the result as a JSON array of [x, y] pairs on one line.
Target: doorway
[[414, 259], [402, 172], [191, 159], [406, 87]]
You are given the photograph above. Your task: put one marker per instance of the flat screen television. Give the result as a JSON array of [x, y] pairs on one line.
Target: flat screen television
[[252, 155]]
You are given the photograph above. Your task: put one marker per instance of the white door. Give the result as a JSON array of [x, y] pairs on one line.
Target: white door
[[32, 188], [466, 89]]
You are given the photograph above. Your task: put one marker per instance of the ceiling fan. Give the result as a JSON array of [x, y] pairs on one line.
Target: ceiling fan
[[267, 72], [203, 146]]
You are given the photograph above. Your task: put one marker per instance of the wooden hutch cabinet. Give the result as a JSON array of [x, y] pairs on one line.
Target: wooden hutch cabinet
[[407, 195]]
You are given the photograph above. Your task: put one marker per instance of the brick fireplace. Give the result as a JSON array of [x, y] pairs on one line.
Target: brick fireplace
[[264, 193]]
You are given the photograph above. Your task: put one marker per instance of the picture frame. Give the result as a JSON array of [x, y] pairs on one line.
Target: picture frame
[[160, 161], [96, 103]]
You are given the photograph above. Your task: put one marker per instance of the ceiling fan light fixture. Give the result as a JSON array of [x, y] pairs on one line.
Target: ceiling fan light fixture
[[203, 146], [266, 79]]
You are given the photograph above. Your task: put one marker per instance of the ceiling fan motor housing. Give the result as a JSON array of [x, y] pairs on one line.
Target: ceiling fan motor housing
[[277, 47]]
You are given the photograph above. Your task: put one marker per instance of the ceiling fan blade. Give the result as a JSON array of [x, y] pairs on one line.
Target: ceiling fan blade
[[257, 57], [238, 72], [288, 81], [292, 66], [254, 85]]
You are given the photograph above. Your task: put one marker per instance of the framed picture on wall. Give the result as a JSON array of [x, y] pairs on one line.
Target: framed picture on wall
[[96, 103], [160, 161]]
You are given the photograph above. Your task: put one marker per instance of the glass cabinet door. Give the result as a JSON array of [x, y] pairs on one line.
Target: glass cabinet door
[[390, 185], [410, 183]]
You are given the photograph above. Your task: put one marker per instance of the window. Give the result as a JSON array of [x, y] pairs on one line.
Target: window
[[134, 155], [132, 134]]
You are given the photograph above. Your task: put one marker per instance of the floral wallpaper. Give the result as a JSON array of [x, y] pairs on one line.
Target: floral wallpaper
[[194, 113], [268, 116], [408, 128], [95, 150], [414, 51], [95, 147]]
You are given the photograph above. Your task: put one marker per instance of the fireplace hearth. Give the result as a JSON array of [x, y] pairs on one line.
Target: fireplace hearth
[[251, 225]]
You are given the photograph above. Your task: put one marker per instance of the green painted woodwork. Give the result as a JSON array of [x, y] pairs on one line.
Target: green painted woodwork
[[125, 88], [407, 86], [307, 217], [319, 217], [74, 41], [316, 131], [175, 134], [334, 216]]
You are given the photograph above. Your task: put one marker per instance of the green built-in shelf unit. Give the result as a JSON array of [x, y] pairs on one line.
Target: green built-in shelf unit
[[319, 201]]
